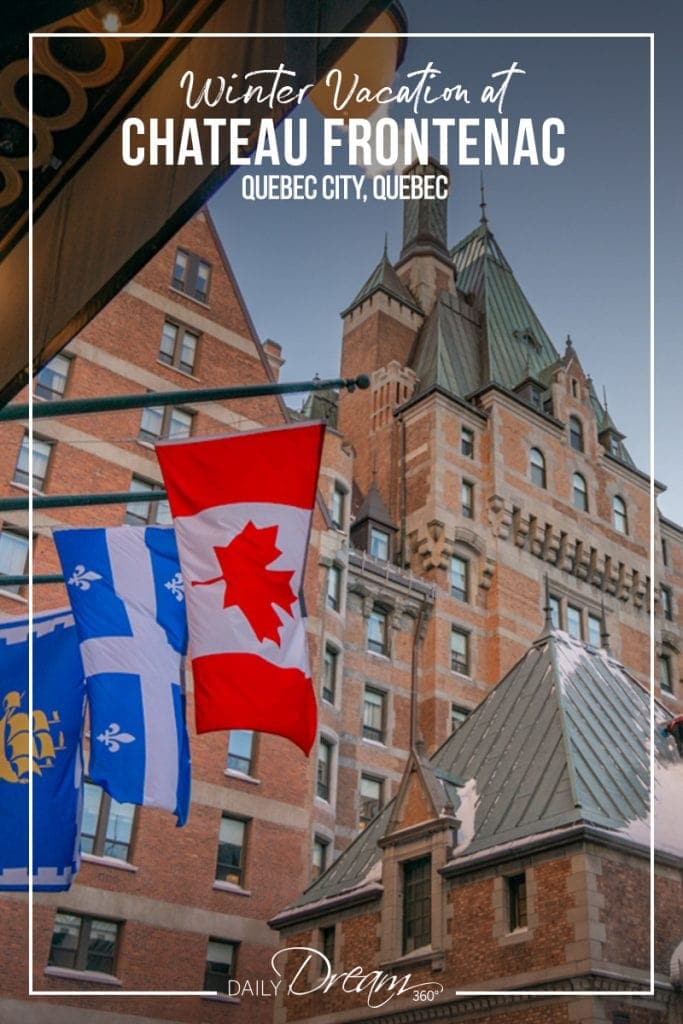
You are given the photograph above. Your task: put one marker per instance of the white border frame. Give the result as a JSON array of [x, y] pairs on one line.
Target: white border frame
[[115, 993]]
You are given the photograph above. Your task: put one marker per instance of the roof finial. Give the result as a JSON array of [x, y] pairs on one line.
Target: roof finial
[[604, 397], [386, 245], [482, 204], [569, 343], [548, 624], [604, 635], [374, 468]]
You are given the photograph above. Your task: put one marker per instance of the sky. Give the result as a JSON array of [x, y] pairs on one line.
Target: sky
[[577, 235]]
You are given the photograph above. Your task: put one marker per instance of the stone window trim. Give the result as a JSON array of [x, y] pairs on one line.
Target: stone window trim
[[339, 505], [234, 770], [501, 905], [434, 839], [332, 646], [101, 836], [329, 740], [370, 733], [565, 596], [188, 275], [148, 438], [576, 433], [43, 450], [15, 591], [50, 383], [173, 358], [538, 472]]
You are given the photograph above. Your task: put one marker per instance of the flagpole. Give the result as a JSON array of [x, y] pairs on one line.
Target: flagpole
[[192, 396]]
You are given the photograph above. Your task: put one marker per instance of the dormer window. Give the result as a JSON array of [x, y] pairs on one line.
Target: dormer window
[[417, 904], [379, 543], [614, 448]]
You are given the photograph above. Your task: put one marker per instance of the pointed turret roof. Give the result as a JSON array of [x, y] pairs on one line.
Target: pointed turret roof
[[373, 508], [385, 279], [561, 741]]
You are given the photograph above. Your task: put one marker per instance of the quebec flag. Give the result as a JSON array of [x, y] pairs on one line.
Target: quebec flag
[[127, 597], [48, 747]]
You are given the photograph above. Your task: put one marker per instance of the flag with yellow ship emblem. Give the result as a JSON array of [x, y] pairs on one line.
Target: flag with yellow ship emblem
[[45, 744]]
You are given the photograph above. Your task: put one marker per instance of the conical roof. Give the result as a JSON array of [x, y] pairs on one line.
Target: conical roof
[[384, 278], [373, 508], [562, 740]]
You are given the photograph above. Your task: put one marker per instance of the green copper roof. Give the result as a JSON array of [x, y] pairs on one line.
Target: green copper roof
[[384, 278], [516, 344], [563, 739], [448, 349]]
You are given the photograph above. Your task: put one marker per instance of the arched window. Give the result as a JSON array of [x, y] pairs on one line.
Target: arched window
[[537, 467], [576, 433], [619, 517], [579, 493]]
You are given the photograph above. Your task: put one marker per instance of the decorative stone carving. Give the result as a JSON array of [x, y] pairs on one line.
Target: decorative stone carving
[[500, 517]]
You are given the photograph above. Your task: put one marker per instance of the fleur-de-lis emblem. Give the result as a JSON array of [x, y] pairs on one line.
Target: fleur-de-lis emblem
[[175, 585], [82, 577], [112, 737]]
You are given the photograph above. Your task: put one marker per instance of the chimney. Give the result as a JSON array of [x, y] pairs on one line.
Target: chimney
[[273, 353], [424, 264]]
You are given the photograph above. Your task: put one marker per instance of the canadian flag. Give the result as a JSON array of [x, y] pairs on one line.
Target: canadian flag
[[242, 510]]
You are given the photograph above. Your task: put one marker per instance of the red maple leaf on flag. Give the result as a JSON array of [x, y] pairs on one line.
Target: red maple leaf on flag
[[250, 585]]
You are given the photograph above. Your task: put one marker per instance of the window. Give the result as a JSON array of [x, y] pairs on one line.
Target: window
[[458, 716], [574, 627], [221, 957], [330, 669], [379, 544], [467, 499], [324, 769], [594, 630], [231, 850], [338, 503], [320, 851], [459, 578], [667, 607], [554, 603], [665, 552], [41, 458], [537, 467], [371, 799], [158, 421], [373, 714], [467, 442], [665, 673], [460, 651], [178, 347], [146, 513], [619, 518], [13, 558], [84, 943], [417, 904], [579, 493], [614, 446], [50, 382], [516, 891], [107, 825], [191, 275], [327, 946], [575, 388], [377, 631], [240, 751], [535, 397], [334, 587], [576, 433]]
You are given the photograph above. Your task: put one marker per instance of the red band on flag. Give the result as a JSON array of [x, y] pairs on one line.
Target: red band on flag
[[244, 691], [278, 466]]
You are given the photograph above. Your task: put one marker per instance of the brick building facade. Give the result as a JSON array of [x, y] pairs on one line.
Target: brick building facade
[[479, 462]]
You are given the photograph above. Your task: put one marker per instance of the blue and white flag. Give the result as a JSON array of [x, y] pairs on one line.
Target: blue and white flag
[[127, 596], [48, 747]]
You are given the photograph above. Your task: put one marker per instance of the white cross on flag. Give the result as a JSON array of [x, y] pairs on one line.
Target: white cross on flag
[[242, 510]]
